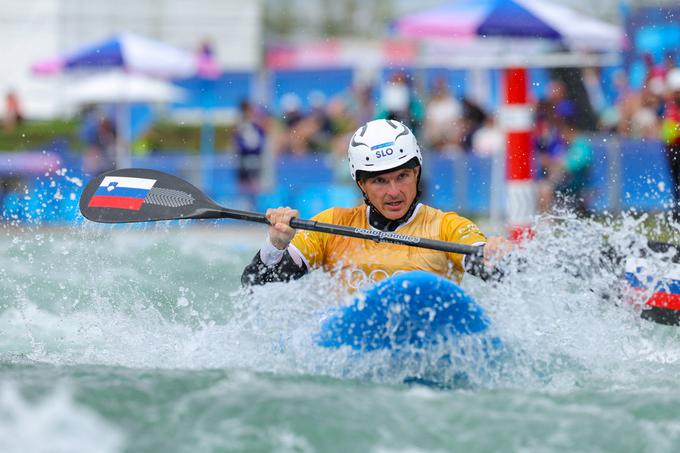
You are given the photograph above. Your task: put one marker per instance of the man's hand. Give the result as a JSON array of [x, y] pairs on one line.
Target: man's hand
[[486, 266], [280, 232], [495, 249]]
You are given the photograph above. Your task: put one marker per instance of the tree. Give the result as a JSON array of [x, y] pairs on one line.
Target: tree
[[327, 18]]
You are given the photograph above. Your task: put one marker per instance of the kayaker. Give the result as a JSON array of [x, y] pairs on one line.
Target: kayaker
[[385, 161]]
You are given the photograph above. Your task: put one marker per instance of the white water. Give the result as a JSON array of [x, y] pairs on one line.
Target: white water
[[142, 338], [169, 298], [53, 423]]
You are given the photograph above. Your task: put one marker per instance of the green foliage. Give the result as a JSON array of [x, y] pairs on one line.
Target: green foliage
[[280, 19], [163, 136], [35, 135], [170, 137], [290, 19]]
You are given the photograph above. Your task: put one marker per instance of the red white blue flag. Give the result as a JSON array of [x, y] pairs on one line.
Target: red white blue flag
[[666, 290], [121, 192]]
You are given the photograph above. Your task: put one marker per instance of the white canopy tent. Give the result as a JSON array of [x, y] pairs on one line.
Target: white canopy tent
[[122, 89]]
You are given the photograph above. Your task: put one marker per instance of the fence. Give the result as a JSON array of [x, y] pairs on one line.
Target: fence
[[627, 174]]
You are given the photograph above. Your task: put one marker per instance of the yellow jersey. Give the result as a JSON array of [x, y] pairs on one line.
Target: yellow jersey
[[362, 261]]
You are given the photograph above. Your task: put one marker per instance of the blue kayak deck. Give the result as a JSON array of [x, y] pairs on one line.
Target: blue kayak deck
[[410, 310]]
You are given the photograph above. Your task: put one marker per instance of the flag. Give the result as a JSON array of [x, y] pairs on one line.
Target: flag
[[666, 290], [122, 193]]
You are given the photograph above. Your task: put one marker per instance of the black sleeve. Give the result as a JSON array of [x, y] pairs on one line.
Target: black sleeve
[[258, 273], [474, 264]]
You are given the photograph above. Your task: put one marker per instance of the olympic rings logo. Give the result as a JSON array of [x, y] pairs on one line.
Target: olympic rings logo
[[358, 279]]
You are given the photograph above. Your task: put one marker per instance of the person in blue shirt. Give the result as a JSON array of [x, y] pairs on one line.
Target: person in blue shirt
[[570, 174], [249, 143]]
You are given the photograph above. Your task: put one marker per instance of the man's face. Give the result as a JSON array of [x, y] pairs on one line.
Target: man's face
[[392, 193]]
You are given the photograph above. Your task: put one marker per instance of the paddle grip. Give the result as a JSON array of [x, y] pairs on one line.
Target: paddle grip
[[302, 224]]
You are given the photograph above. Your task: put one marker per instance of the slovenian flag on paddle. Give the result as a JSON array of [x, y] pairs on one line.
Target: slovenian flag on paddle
[[121, 192], [666, 293]]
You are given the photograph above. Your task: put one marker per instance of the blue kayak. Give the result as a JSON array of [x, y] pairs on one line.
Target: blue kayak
[[412, 313]]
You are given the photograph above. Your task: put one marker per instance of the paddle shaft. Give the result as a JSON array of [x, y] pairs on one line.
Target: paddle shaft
[[143, 195], [361, 233]]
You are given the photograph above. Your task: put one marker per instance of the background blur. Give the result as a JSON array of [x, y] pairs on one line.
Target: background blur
[[255, 101]]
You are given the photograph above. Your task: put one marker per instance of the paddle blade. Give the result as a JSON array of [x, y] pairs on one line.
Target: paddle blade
[[140, 195]]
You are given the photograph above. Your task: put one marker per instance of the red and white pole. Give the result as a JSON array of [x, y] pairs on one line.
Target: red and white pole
[[517, 120]]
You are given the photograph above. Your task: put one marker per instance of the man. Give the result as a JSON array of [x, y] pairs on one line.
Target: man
[[249, 142], [385, 161], [567, 165], [571, 172], [671, 136]]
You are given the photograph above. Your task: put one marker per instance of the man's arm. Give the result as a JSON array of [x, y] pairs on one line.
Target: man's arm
[[475, 265], [488, 265], [273, 265], [278, 260]]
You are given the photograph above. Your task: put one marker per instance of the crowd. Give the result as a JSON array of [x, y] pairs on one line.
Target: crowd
[[571, 109], [563, 121]]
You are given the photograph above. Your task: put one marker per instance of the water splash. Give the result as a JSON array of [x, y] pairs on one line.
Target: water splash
[[55, 422], [162, 297], [564, 305]]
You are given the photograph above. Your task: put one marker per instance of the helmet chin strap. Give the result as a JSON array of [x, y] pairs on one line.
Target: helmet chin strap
[[377, 220]]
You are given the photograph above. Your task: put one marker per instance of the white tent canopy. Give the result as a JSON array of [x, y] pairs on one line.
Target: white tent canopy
[[120, 87]]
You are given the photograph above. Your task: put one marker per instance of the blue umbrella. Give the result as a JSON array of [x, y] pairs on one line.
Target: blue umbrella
[[129, 52], [511, 18]]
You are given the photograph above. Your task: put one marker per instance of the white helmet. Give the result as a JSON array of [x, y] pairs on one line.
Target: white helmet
[[382, 145]]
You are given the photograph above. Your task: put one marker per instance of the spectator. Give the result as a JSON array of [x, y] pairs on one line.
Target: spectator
[[399, 102], [13, 114], [344, 123], [474, 118], [547, 144], [303, 133], [569, 172], [646, 118], [208, 67], [610, 118], [557, 99], [564, 154], [98, 133], [292, 139], [671, 135], [360, 104], [205, 48], [653, 70], [669, 62], [443, 113], [291, 108], [318, 125], [489, 139], [249, 143], [593, 86]]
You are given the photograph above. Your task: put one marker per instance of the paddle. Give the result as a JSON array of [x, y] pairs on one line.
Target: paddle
[[140, 195], [663, 307]]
